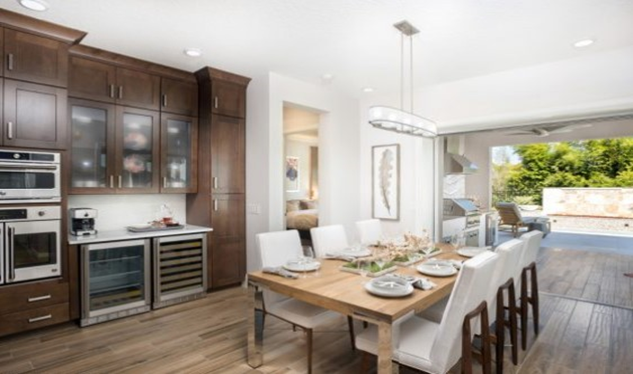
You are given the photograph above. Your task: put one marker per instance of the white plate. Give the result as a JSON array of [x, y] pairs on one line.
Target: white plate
[[140, 226], [470, 251], [301, 267], [384, 292], [351, 252], [437, 268]]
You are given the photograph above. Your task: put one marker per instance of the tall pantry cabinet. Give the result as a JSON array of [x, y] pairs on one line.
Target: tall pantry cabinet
[[220, 200]]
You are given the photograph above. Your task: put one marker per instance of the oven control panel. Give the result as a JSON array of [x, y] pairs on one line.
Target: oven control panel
[[34, 213]]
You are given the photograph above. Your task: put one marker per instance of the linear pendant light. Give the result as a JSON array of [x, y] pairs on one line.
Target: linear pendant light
[[399, 120]]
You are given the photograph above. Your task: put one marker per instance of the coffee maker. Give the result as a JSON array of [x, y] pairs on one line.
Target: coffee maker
[[82, 221]]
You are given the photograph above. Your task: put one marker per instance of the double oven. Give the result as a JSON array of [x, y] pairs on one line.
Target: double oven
[[30, 233]]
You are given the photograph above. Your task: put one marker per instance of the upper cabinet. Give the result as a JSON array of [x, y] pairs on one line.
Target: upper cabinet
[[179, 97], [34, 58], [228, 140], [34, 115], [227, 92], [95, 80]]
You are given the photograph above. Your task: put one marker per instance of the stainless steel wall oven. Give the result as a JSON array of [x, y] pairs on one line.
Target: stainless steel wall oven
[[29, 177], [30, 243]]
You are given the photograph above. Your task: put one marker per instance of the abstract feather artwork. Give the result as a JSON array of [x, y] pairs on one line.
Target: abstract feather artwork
[[386, 181]]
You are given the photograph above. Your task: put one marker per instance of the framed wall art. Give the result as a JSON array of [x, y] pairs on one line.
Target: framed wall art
[[292, 174], [385, 161]]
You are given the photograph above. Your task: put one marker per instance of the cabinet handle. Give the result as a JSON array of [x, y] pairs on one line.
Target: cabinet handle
[[111, 181], [120, 92], [42, 318], [112, 91], [215, 205], [10, 61], [165, 100], [120, 182], [10, 130], [215, 102], [11, 238], [215, 183], [39, 298], [164, 182]]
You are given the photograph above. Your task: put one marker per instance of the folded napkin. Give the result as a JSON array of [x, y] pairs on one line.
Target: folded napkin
[[423, 284], [279, 271]]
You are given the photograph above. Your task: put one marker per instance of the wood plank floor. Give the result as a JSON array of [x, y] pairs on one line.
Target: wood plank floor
[[209, 336]]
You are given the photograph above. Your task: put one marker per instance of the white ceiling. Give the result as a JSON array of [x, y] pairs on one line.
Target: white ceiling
[[351, 39]]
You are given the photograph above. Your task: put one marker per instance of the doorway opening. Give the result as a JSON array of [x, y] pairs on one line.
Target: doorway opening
[[301, 169]]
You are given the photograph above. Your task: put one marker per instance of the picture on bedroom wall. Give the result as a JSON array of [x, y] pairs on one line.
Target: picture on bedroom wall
[[292, 174], [386, 182]]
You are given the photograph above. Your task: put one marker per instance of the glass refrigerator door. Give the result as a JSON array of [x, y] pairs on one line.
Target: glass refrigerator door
[[116, 276]]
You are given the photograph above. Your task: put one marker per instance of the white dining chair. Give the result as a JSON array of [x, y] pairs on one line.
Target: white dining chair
[[527, 269], [436, 347], [369, 231], [328, 239], [275, 249]]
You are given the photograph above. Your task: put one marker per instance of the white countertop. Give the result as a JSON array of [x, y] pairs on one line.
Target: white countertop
[[124, 234]]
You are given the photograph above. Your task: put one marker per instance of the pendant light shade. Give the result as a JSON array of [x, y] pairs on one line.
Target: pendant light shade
[[399, 120]]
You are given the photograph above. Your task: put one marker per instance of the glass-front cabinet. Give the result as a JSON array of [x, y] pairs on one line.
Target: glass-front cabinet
[[115, 280], [114, 149], [179, 149], [137, 150], [92, 135]]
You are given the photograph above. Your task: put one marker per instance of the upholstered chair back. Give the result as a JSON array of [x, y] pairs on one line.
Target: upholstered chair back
[[328, 239], [275, 249], [471, 288], [369, 231]]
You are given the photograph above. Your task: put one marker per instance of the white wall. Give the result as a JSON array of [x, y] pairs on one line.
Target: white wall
[[117, 211], [338, 154]]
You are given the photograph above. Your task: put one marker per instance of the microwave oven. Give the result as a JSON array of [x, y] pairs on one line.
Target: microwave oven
[[29, 177]]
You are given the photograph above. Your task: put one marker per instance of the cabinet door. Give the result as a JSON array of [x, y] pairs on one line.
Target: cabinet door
[[227, 154], [179, 97], [179, 154], [228, 252], [92, 136], [137, 155], [137, 89], [91, 80], [34, 58], [34, 115], [229, 99]]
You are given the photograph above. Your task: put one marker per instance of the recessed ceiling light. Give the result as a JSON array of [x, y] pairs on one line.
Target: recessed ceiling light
[[37, 5], [327, 77], [583, 43], [193, 52], [368, 89]]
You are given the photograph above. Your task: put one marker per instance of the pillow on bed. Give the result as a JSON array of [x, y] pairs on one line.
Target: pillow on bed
[[292, 205], [309, 204]]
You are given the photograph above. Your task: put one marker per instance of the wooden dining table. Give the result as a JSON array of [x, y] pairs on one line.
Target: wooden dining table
[[343, 292]]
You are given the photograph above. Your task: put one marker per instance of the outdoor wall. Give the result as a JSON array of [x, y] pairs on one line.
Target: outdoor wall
[[589, 202]]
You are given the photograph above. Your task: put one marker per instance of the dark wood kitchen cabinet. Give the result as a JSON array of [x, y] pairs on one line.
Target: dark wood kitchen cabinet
[[221, 201], [178, 153], [228, 255], [34, 115], [35, 58], [228, 162], [179, 97], [91, 80], [137, 89]]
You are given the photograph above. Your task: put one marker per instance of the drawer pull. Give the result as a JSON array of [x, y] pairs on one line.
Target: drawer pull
[[42, 318], [10, 62], [39, 298]]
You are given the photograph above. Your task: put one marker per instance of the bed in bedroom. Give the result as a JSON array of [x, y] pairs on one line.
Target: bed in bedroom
[[302, 215]]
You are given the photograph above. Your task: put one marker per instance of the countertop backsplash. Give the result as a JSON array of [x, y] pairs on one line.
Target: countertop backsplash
[[117, 211]]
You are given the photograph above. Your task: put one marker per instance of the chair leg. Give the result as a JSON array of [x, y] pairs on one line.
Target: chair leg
[[500, 331], [534, 297], [350, 324], [485, 341], [524, 309], [467, 346], [513, 324], [309, 345], [364, 363]]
